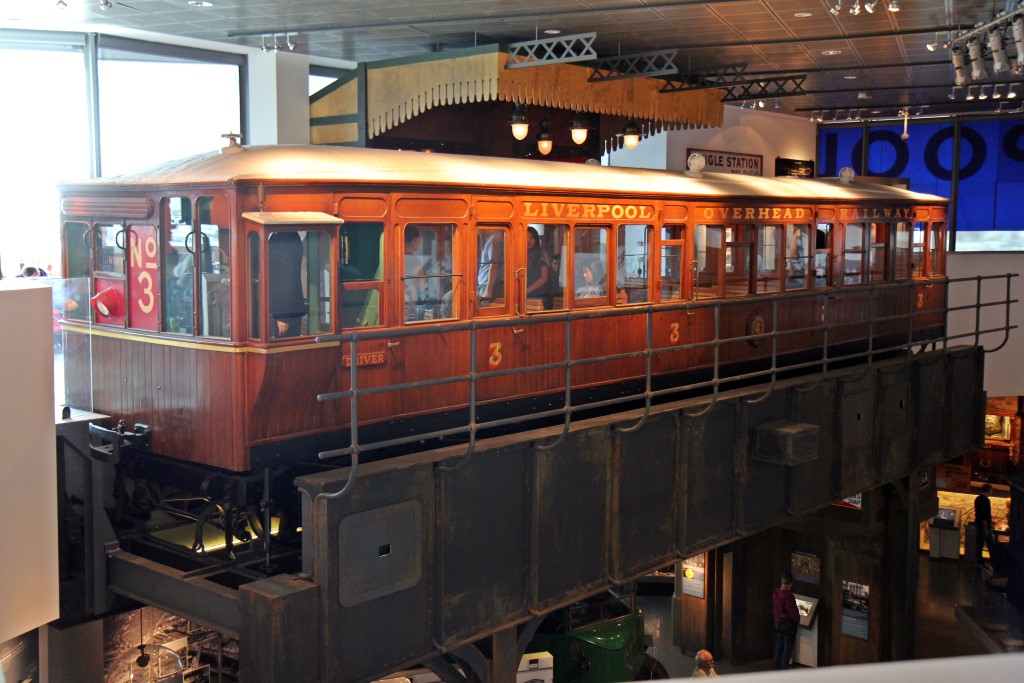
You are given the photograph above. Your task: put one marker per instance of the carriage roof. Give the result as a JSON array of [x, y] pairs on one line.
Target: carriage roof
[[325, 164]]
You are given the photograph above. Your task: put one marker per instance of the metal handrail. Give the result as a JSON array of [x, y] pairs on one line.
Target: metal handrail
[[826, 327]]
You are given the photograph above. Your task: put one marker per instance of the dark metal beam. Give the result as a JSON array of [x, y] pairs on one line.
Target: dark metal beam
[[174, 591], [578, 47], [716, 77], [645, 64], [769, 87]]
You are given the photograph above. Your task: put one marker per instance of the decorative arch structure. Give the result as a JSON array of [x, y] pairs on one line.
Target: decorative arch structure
[[378, 96]]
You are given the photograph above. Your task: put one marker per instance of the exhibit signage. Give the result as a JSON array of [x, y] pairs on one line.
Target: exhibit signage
[[855, 610], [693, 576], [730, 162]]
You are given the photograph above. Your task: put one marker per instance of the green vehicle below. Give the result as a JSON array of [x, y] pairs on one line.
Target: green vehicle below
[[598, 640]]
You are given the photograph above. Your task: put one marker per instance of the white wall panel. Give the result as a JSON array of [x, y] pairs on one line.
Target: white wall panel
[[28, 477]]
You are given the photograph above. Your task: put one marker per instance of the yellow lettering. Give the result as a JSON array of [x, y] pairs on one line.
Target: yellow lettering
[[589, 211], [574, 210], [617, 211], [528, 210], [750, 213], [776, 213], [136, 249]]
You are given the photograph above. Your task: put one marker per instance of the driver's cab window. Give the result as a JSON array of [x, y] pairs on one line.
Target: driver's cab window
[[299, 283]]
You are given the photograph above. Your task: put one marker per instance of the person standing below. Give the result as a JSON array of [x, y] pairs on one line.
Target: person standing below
[[705, 665], [983, 522], [786, 618]]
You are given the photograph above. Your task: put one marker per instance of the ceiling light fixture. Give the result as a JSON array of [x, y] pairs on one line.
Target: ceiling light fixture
[[631, 135], [978, 71], [855, 10], [836, 8], [869, 6], [544, 141], [579, 129], [520, 126], [1018, 40], [200, 3], [893, 6], [105, 5], [1000, 63], [778, 104], [959, 67]]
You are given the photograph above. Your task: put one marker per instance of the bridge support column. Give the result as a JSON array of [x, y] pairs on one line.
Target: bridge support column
[[494, 659]]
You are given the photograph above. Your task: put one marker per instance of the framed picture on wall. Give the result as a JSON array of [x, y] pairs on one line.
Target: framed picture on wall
[[805, 567]]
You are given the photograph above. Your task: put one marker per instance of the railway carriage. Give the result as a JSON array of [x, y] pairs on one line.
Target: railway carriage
[[231, 292]]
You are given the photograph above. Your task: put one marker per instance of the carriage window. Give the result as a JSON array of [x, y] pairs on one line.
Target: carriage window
[[768, 259], [709, 250], [917, 249], [879, 252], [631, 264], [254, 286], [901, 252], [110, 244], [427, 271], [936, 242], [178, 263], [78, 267], [590, 263], [215, 267], [798, 256], [545, 276], [491, 267], [298, 278], [853, 254], [822, 258], [361, 268], [737, 260], [75, 235], [672, 270]]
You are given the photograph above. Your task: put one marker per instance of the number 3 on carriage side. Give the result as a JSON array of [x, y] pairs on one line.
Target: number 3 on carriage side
[[495, 358], [673, 335]]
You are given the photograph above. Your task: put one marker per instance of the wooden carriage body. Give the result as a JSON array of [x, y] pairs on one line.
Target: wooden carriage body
[[700, 270]]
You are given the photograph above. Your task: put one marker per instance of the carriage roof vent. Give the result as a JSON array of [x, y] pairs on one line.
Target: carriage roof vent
[[695, 163], [846, 174], [233, 143]]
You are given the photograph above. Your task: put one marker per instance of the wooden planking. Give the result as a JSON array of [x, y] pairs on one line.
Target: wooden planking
[[184, 395]]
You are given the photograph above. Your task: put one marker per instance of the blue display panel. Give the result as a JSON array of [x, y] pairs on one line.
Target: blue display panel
[[989, 215]]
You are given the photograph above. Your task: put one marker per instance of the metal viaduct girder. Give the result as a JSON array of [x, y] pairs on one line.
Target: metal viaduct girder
[[430, 554]]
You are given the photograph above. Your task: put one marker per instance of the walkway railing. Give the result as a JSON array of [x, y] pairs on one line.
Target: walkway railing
[[879, 339]]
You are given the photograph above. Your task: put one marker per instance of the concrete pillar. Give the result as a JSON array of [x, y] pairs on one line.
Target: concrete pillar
[[278, 99]]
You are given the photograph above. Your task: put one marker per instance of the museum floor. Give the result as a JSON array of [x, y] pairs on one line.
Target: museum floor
[[945, 587]]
